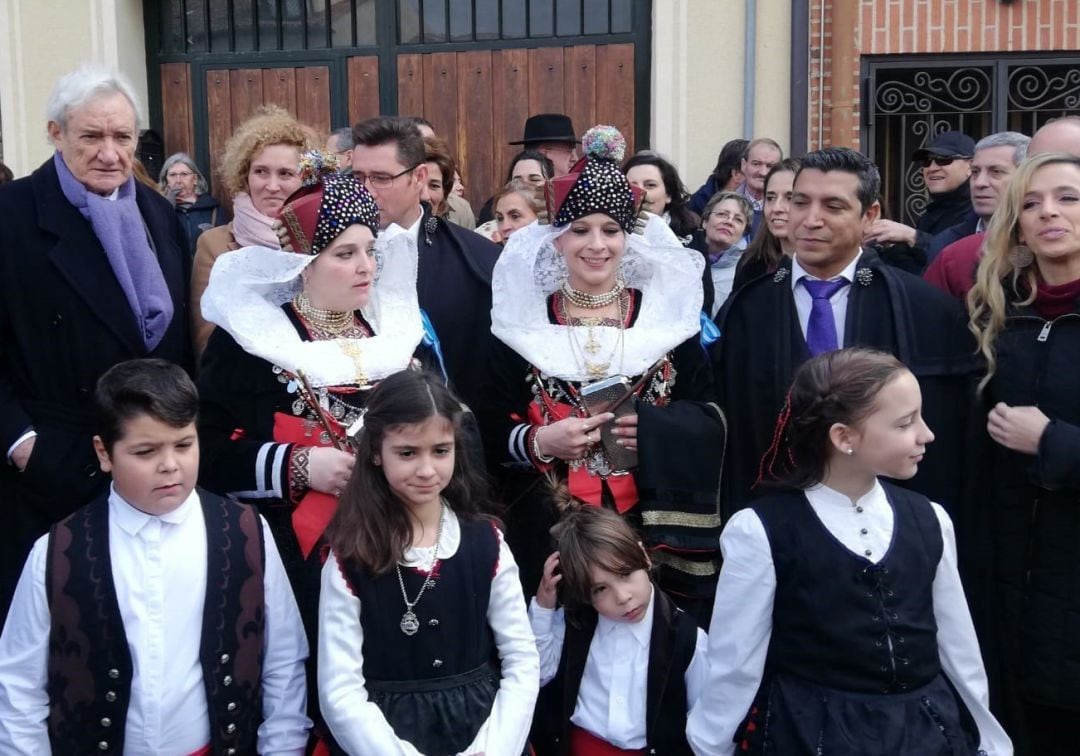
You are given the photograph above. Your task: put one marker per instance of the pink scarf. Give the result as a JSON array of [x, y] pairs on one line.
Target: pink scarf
[[250, 227]]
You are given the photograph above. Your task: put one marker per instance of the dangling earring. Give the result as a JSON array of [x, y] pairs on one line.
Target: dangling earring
[[1021, 256]]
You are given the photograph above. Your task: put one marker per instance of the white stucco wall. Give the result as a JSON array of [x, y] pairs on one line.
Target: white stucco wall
[[40, 40], [698, 74]]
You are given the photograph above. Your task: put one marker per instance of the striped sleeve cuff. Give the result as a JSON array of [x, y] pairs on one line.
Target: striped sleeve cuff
[[518, 444], [271, 473]]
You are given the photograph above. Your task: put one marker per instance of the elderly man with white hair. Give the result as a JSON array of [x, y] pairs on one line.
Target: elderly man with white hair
[[94, 270]]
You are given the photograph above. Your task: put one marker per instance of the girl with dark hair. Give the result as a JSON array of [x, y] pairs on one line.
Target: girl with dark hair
[[664, 192], [621, 665], [772, 242], [844, 624], [420, 592]]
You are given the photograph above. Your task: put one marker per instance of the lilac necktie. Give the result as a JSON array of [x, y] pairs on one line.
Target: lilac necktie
[[821, 328]]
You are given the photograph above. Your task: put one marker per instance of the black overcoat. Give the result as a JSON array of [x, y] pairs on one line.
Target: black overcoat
[[64, 321], [761, 345], [453, 285]]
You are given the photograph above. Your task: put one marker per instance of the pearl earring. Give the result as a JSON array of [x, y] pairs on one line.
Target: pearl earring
[[849, 452]]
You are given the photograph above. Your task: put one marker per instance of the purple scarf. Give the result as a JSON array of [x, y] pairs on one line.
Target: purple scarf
[[120, 228]]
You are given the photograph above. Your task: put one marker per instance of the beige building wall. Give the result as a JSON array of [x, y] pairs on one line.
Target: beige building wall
[[41, 40], [698, 79]]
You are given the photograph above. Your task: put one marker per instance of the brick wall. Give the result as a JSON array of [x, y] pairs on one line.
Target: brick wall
[[898, 27]]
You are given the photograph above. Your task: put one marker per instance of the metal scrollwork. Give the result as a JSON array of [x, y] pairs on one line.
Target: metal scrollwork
[[964, 90], [1038, 88]]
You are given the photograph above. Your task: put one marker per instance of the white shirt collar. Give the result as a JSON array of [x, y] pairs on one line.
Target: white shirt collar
[[132, 520], [798, 272], [641, 631], [822, 495], [423, 557]]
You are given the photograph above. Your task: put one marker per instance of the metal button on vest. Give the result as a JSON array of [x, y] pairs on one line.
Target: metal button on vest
[[433, 623], [231, 706], [106, 722], [114, 674], [437, 663], [230, 729], [225, 658], [230, 752], [103, 746], [110, 696], [227, 681]]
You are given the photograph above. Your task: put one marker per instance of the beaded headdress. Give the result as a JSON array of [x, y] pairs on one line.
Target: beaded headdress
[[327, 204], [596, 184]]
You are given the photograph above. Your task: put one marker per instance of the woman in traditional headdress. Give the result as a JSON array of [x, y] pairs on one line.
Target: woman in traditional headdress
[[594, 306], [303, 334]]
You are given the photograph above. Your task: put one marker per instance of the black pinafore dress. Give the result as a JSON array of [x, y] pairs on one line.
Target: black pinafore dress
[[853, 667], [435, 688]]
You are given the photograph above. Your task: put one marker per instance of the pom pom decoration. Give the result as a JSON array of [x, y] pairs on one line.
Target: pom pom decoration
[[605, 143], [316, 165]]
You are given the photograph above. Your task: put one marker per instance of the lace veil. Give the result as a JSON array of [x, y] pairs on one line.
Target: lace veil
[[530, 269]]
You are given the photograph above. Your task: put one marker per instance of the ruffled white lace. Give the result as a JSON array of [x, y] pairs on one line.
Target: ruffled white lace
[[530, 269], [248, 286]]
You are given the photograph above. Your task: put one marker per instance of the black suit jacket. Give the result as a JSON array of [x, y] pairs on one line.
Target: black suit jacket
[[64, 321], [454, 288]]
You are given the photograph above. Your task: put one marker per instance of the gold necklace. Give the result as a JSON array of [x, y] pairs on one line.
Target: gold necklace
[[589, 301], [331, 321], [595, 370]]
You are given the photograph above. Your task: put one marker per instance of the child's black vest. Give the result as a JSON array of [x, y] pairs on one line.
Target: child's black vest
[[671, 649], [90, 667], [436, 687], [879, 634]]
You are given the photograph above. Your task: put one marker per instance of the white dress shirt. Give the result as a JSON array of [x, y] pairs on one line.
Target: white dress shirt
[[742, 617], [611, 702], [804, 302], [159, 573], [358, 725]]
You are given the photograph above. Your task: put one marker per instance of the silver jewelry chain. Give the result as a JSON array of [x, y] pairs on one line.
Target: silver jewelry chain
[[409, 623]]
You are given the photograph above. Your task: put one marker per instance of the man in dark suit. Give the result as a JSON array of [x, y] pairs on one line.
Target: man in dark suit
[[94, 270], [835, 293], [454, 279]]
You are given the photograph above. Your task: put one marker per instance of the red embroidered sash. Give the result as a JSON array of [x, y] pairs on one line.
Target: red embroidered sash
[[315, 510]]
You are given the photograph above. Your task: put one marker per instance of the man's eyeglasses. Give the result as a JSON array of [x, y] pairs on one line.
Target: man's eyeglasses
[[926, 162], [381, 180]]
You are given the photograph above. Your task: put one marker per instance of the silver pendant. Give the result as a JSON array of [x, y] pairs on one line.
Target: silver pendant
[[409, 623]]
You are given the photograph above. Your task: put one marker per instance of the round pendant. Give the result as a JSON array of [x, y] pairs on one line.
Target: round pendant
[[409, 623]]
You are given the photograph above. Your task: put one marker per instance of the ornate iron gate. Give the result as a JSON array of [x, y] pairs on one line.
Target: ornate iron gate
[[475, 68], [908, 101]]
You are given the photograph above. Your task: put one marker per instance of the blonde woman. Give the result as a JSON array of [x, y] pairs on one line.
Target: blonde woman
[[1024, 315], [260, 168]]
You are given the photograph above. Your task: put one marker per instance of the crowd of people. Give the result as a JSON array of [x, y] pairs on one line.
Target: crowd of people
[[624, 470]]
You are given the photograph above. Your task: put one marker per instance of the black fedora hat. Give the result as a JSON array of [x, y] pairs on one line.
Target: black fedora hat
[[548, 127]]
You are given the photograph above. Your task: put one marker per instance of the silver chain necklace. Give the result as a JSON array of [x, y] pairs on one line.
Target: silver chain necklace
[[409, 623]]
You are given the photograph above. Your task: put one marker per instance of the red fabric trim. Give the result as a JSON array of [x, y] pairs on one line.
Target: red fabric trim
[[315, 510], [588, 488], [584, 743], [206, 750], [498, 553], [237, 434]]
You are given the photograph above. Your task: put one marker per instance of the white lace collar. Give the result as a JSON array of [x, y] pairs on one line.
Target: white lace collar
[[248, 287], [530, 269]]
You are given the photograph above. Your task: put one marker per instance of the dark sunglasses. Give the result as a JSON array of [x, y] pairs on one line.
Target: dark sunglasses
[[926, 162]]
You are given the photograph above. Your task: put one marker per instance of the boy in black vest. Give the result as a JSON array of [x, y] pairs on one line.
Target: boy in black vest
[[158, 618], [623, 666]]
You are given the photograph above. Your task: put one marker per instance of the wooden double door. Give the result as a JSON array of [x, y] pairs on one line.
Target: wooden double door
[[477, 99]]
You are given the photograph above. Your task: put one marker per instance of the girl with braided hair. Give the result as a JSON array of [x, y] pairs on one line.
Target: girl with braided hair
[[845, 629]]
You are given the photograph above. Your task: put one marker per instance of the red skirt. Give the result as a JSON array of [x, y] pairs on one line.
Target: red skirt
[[584, 743]]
